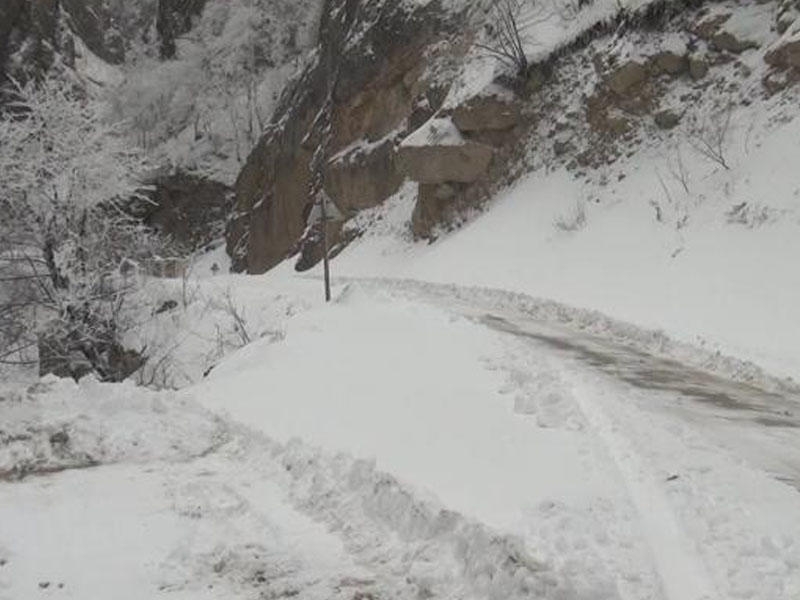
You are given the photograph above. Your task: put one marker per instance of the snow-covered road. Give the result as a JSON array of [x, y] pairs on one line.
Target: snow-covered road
[[657, 406], [693, 449], [411, 441], [759, 426]]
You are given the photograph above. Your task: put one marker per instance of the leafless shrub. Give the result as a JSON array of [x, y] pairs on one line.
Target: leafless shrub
[[236, 313], [506, 32], [751, 214], [710, 137], [671, 209], [509, 24], [677, 169]]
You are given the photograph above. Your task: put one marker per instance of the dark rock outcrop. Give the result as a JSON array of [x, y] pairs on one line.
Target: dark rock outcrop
[[378, 90], [486, 112], [785, 56], [29, 35], [94, 23], [459, 163], [626, 78], [191, 210], [363, 177], [173, 20]]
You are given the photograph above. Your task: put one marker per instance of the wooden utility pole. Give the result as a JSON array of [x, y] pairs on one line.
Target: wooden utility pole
[[323, 200], [323, 126]]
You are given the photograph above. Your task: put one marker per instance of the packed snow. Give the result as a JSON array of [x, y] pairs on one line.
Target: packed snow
[[396, 442]]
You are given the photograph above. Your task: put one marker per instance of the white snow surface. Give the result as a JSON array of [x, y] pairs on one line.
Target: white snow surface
[[393, 444], [437, 131], [718, 271]]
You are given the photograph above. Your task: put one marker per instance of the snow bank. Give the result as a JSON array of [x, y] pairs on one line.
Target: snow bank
[[207, 315], [58, 424]]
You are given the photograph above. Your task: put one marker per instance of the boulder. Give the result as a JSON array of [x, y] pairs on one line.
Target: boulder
[[483, 113], [725, 40], [785, 56], [464, 163], [667, 119], [435, 203], [706, 27], [670, 63], [363, 177], [698, 68], [627, 78]]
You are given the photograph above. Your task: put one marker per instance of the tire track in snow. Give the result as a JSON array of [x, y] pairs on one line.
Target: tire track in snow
[[414, 547], [681, 568]]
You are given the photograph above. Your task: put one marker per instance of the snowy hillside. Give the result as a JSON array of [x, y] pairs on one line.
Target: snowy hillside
[[667, 235], [204, 110], [714, 265], [562, 356]]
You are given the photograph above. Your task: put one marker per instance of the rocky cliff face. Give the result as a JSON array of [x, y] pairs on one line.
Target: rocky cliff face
[[664, 73], [28, 32], [386, 51], [174, 19], [34, 33], [190, 210], [404, 106]]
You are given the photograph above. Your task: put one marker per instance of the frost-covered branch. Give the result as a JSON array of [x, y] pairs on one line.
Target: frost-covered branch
[[66, 179]]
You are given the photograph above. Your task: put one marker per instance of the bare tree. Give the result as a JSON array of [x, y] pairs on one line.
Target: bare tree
[[506, 34], [509, 24], [677, 169], [710, 138], [66, 178]]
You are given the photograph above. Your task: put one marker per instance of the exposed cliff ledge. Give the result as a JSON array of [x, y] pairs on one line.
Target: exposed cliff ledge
[[585, 105], [383, 48]]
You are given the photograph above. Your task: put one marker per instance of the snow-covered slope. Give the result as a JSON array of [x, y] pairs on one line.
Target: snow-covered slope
[[204, 110], [689, 227], [726, 278]]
